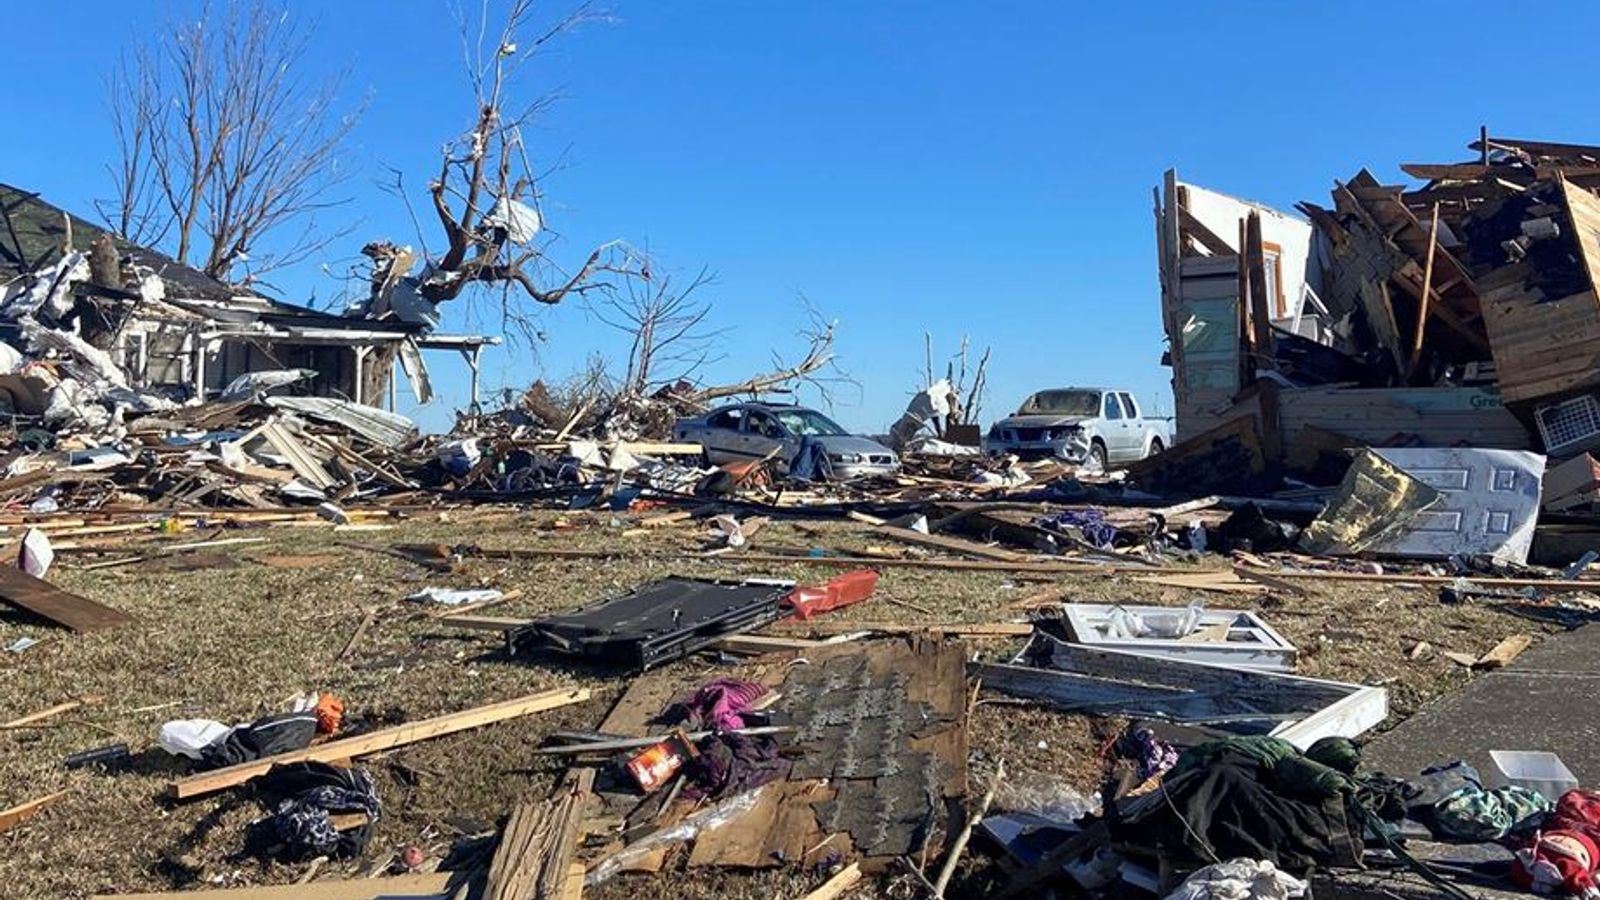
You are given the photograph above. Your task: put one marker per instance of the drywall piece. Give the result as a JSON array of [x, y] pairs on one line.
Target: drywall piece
[[1246, 641], [1222, 699], [1488, 503]]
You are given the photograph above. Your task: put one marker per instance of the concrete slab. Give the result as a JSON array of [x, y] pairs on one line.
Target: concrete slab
[[1546, 700]]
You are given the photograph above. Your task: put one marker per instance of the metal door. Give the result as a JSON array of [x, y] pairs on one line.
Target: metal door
[[1489, 502]]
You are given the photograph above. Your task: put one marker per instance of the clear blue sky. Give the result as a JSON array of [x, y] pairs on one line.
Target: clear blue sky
[[960, 168]]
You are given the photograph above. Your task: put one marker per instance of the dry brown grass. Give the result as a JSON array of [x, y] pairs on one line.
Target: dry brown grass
[[233, 643]]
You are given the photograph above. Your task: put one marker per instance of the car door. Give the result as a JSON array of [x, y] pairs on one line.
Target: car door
[[1114, 428], [724, 435], [763, 434], [1134, 421]]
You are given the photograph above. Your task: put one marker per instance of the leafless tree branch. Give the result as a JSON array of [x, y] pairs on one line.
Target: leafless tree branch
[[485, 194], [225, 153]]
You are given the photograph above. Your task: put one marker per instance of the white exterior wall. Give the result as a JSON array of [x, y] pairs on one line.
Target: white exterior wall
[[1222, 213]]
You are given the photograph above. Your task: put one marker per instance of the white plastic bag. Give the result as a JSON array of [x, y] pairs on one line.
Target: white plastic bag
[[187, 737], [454, 596]]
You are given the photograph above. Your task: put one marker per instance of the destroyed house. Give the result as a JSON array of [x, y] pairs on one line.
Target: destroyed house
[[175, 331], [1461, 312]]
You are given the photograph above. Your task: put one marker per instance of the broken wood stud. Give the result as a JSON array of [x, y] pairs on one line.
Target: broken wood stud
[[838, 885], [10, 818], [1504, 652], [959, 845], [384, 739]]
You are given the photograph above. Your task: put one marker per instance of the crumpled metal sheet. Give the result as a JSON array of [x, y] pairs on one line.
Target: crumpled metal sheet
[[379, 426]]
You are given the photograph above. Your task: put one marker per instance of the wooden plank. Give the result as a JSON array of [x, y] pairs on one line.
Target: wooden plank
[[42, 598], [948, 629], [430, 884], [1255, 268], [10, 818], [1424, 304], [1544, 584], [50, 712], [951, 544], [484, 623], [1225, 582], [384, 739], [757, 644], [1205, 237], [1446, 171], [839, 885], [667, 518], [1504, 652]]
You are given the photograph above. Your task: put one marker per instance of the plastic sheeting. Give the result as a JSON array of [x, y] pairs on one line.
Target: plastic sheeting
[[1240, 879], [252, 383], [49, 290], [520, 221]]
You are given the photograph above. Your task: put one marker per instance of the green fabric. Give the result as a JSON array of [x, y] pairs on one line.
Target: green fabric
[[1267, 751], [1301, 776], [1472, 814], [1336, 753], [1289, 769]]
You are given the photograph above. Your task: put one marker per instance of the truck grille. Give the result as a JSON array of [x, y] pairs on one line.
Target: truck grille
[[1027, 434]]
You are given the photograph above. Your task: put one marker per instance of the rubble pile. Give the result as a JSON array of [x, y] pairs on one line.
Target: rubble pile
[[806, 674]]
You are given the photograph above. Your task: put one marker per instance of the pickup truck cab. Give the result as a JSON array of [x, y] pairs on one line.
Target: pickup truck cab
[[1084, 425]]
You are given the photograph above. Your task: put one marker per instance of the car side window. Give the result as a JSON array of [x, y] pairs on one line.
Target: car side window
[[764, 425], [1113, 409], [1129, 408], [728, 418]]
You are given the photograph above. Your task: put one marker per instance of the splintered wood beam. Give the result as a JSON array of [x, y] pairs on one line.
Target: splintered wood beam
[[1427, 290], [384, 739], [1205, 237], [1445, 171], [1442, 312]]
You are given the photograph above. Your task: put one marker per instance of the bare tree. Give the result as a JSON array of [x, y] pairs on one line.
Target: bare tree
[[226, 153], [816, 368], [486, 195], [667, 326]]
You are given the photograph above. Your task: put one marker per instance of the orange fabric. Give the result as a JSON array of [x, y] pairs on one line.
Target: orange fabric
[[330, 712]]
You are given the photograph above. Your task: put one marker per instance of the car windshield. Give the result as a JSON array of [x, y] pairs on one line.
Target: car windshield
[[1065, 403], [804, 422]]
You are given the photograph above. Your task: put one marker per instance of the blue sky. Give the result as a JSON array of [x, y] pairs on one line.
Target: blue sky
[[958, 168]]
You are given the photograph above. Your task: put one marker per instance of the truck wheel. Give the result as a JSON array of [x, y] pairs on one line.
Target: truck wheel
[[1097, 457], [1155, 447]]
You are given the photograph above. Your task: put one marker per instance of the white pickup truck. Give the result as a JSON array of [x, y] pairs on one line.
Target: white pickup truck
[[1089, 425]]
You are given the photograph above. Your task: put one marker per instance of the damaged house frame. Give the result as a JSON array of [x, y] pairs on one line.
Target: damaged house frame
[[1462, 312], [176, 332]]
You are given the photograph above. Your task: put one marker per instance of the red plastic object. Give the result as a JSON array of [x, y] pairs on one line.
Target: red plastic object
[[851, 587]]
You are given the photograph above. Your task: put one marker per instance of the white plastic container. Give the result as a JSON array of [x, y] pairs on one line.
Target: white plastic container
[[1532, 769]]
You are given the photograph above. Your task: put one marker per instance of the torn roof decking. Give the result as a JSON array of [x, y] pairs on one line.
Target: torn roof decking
[[33, 233]]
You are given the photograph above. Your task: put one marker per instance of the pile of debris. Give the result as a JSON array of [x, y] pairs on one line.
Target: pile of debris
[[1459, 314]]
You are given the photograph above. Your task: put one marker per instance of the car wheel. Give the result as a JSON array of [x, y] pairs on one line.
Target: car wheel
[[1155, 447], [1097, 456]]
